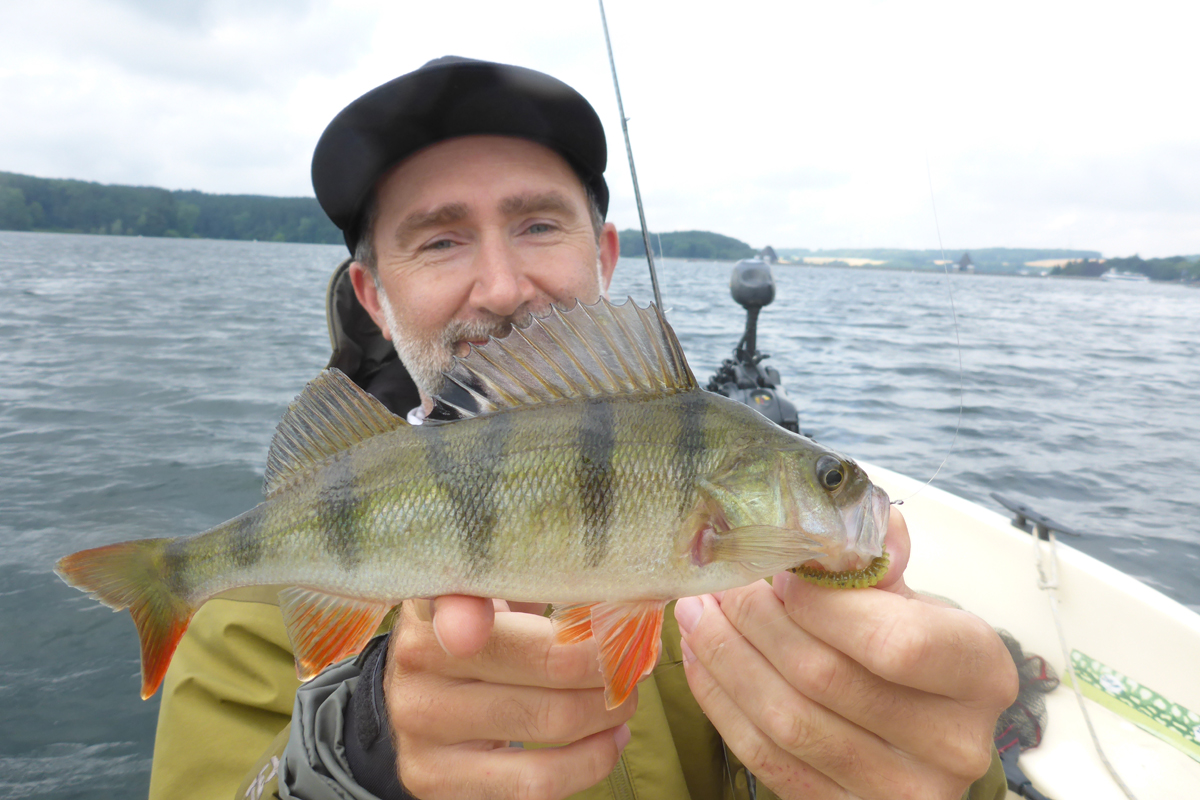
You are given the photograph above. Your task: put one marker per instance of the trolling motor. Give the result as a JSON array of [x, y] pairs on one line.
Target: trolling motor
[[743, 377]]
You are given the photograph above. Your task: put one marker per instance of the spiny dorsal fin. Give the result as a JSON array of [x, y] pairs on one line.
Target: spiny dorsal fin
[[331, 414], [599, 350]]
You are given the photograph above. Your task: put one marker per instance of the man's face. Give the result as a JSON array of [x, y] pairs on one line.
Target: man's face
[[471, 236]]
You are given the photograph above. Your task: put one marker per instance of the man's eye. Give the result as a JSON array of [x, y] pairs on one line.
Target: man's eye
[[440, 244], [539, 227]]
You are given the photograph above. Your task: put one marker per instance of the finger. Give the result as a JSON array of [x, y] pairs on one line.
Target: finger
[[462, 624], [521, 650], [937, 730], [943, 651], [852, 757], [481, 774], [899, 547], [785, 774], [449, 712]]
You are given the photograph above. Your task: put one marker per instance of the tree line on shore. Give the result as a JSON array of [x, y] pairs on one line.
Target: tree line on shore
[[701, 245], [1173, 268], [70, 206]]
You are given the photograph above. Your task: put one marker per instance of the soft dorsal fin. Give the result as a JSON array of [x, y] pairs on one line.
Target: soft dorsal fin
[[599, 350], [331, 414]]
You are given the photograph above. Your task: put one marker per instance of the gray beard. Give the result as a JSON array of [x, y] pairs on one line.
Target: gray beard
[[427, 359]]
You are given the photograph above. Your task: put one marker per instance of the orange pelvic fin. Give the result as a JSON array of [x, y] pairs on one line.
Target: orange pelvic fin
[[325, 628], [130, 575], [629, 636]]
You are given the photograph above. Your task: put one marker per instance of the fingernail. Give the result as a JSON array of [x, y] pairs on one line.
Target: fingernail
[[622, 736], [782, 583], [687, 613], [436, 633], [422, 608]]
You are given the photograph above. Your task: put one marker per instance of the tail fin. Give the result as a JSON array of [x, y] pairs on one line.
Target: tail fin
[[130, 575]]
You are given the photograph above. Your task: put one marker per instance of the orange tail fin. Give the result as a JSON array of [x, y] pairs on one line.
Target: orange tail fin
[[130, 575]]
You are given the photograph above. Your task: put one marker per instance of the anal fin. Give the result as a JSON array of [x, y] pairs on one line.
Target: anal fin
[[325, 628], [629, 636], [572, 623]]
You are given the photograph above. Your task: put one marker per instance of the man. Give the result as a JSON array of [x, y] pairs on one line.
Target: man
[[472, 194]]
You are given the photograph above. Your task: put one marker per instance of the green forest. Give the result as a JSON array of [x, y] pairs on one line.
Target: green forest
[[686, 244], [69, 206]]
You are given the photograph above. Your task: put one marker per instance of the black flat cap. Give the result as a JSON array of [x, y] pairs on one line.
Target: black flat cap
[[444, 99]]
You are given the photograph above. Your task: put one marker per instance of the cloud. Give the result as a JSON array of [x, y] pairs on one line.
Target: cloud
[[794, 124], [216, 45], [183, 94]]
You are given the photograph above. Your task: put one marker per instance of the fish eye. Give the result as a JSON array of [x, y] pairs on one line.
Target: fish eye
[[830, 472]]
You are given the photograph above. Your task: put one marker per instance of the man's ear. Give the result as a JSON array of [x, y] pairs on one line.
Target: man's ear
[[610, 250], [369, 296]]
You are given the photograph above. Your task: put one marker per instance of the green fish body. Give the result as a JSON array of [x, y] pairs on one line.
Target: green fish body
[[591, 472]]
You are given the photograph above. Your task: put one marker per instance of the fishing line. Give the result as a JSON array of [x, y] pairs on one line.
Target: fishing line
[[637, 193], [957, 338]]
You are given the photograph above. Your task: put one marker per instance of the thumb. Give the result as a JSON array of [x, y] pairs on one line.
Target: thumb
[[462, 624], [899, 547]]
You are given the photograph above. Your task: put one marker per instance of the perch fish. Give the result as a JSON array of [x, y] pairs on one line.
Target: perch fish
[[590, 470]]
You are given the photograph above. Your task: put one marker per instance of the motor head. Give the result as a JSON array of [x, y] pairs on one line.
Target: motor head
[[752, 284]]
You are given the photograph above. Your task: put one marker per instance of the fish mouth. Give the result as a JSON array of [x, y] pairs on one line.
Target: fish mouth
[[872, 537], [865, 528]]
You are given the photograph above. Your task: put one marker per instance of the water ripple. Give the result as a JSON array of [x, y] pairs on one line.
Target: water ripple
[[141, 381]]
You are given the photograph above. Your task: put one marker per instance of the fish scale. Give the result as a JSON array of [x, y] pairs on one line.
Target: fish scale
[[592, 474]]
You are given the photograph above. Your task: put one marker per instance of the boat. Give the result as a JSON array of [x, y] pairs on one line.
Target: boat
[[1127, 277], [1132, 653]]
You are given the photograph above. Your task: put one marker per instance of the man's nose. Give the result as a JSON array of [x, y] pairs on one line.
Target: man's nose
[[501, 285]]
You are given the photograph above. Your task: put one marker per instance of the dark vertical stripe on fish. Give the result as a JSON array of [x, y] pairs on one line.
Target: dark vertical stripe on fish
[[468, 479], [337, 513], [245, 546], [689, 445], [176, 560], [594, 477]]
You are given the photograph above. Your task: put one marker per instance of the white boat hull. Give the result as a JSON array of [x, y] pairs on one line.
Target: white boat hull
[[975, 557]]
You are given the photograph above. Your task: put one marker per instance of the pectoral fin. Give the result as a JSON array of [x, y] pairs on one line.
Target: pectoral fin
[[325, 628], [765, 547], [629, 636]]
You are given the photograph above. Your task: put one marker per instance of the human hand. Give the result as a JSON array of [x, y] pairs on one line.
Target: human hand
[[467, 676], [869, 693]]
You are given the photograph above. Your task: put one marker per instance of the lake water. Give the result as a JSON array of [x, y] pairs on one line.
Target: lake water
[[141, 380]]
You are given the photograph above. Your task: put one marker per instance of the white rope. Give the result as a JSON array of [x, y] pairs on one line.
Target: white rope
[[1051, 586]]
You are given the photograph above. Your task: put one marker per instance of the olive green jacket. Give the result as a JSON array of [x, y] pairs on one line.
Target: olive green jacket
[[228, 698]]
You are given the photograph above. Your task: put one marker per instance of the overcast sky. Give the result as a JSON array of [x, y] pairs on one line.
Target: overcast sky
[[795, 124]]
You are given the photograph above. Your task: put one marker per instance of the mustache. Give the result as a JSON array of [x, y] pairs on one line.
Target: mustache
[[494, 326]]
